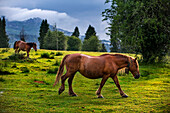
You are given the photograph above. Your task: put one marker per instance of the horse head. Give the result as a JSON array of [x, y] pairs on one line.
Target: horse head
[[35, 46], [133, 67]]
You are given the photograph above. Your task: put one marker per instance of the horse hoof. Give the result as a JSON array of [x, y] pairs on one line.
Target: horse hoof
[[100, 96], [124, 96], [73, 95], [60, 91]]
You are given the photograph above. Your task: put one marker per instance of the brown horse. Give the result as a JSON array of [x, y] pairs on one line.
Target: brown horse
[[93, 67], [24, 46]]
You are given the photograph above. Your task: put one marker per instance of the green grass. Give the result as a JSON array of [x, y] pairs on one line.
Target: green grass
[[20, 93]]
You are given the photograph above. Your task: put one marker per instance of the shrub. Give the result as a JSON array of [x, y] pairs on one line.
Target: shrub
[[17, 56], [59, 54], [52, 53], [51, 57], [4, 50], [14, 66], [52, 71], [57, 63], [25, 70], [2, 80], [45, 55], [5, 72]]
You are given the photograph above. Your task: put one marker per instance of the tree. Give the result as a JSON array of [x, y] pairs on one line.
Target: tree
[[76, 32], [22, 34], [92, 44], [140, 26], [74, 43], [51, 38], [43, 30], [90, 32], [3, 36], [103, 48]]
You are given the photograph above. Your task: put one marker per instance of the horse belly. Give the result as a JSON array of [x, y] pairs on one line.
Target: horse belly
[[22, 46], [92, 68]]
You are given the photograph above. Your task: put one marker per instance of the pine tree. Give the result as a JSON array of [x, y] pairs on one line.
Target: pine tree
[[90, 32], [43, 30], [103, 48], [76, 32], [3, 36], [22, 34]]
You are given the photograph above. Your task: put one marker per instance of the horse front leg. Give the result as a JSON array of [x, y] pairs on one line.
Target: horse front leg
[[28, 54], [115, 79], [98, 92]]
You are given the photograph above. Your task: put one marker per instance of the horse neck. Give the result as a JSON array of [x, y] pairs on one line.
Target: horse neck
[[122, 62]]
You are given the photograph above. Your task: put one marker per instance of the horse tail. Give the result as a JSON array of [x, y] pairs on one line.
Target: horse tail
[[60, 71], [15, 44]]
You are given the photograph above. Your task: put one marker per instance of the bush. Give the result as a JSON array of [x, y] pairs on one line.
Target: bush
[[17, 56], [45, 55], [2, 80], [59, 54], [52, 53], [57, 63], [25, 70], [52, 71], [5, 50]]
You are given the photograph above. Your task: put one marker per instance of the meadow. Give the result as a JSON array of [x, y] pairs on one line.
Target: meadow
[[26, 86]]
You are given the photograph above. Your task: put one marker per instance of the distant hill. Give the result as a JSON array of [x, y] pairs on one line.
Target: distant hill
[[31, 28]]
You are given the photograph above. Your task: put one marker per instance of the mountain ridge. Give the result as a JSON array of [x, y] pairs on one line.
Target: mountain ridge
[[31, 28]]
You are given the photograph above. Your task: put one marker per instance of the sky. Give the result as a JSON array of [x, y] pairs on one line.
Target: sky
[[66, 14]]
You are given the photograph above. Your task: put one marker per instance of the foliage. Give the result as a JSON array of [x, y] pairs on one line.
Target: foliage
[[90, 32], [139, 26], [76, 32], [52, 70], [59, 54], [25, 70], [92, 44], [55, 40], [45, 55], [3, 36], [17, 56], [43, 30], [22, 34], [103, 48], [74, 43], [57, 63]]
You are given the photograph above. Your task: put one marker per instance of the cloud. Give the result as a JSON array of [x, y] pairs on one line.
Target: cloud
[[62, 20]]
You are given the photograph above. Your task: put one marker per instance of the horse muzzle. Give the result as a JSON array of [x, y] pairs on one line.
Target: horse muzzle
[[137, 76]]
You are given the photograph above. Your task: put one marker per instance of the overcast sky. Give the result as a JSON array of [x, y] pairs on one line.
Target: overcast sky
[[67, 14]]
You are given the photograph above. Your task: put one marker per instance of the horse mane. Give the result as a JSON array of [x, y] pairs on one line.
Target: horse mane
[[117, 55], [30, 44]]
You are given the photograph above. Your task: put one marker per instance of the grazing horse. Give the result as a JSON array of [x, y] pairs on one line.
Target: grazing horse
[[93, 67], [24, 46]]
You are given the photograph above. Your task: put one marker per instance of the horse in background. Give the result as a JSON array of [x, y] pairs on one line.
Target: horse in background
[[24, 46], [93, 67]]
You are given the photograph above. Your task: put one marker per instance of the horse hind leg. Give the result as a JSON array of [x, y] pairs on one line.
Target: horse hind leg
[[62, 88], [70, 80]]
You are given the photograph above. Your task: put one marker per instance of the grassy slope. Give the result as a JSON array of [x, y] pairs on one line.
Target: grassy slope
[[19, 92]]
